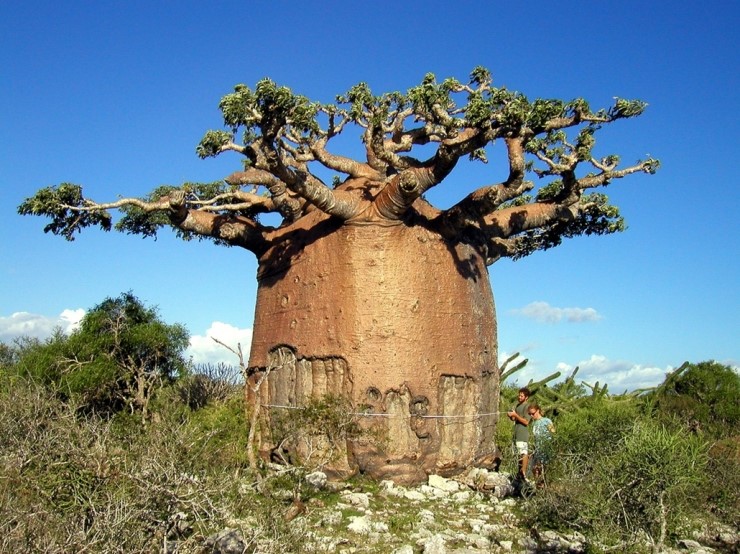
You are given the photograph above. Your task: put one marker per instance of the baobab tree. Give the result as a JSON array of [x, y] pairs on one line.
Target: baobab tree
[[365, 289]]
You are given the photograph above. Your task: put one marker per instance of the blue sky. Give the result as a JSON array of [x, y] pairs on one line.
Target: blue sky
[[115, 97]]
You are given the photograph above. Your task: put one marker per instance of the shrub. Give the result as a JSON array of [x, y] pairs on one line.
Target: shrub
[[701, 397], [209, 383], [723, 490], [75, 482], [639, 480], [654, 479], [221, 429], [595, 430], [316, 433], [584, 440], [118, 358]]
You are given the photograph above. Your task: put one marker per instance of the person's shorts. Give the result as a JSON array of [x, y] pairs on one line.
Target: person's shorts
[[521, 447]]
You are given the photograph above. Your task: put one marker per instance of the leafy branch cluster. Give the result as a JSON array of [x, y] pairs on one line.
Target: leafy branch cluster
[[283, 139], [118, 358], [317, 432]]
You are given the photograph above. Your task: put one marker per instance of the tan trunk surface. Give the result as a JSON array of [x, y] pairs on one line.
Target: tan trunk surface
[[399, 321]]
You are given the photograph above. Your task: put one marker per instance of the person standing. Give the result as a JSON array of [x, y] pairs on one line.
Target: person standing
[[542, 430], [520, 416]]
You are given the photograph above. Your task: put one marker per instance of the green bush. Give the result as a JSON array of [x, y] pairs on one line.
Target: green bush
[[654, 479], [222, 428], [584, 440], [636, 480], [701, 397], [118, 358], [41, 360], [723, 488], [76, 482], [316, 434], [596, 430]]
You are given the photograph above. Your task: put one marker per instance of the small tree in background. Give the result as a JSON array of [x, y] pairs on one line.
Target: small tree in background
[[703, 397], [653, 479], [119, 356]]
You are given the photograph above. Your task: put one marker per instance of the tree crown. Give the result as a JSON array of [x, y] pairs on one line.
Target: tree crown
[[119, 341], [283, 139]]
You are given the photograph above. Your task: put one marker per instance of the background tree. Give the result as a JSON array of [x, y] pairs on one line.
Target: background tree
[[701, 397], [118, 357], [366, 290]]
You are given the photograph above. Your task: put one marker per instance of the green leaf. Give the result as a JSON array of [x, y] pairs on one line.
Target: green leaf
[[56, 203]]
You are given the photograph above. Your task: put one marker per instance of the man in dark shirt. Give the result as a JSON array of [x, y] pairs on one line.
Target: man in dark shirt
[[520, 417]]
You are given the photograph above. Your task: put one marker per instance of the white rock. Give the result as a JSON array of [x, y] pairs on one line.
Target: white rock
[[474, 472], [492, 529], [476, 524], [317, 479], [414, 495], [380, 527], [447, 485], [386, 485], [498, 479], [690, 545], [435, 545], [357, 499], [503, 491], [479, 541], [421, 534], [432, 492], [462, 496], [332, 518], [360, 525]]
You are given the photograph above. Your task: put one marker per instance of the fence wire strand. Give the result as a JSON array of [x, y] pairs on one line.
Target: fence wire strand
[[380, 414]]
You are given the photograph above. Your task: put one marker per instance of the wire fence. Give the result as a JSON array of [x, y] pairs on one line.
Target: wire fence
[[381, 414]]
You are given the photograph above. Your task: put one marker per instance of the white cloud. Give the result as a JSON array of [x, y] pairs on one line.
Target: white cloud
[[202, 349], [205, 350], [544, 313], [619, 375], [25, 324]]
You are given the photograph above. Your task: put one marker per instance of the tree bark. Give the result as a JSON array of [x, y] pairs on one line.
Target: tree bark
[[394, 317]]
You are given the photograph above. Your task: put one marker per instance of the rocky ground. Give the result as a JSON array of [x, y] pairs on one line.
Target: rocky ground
[[478, 512]]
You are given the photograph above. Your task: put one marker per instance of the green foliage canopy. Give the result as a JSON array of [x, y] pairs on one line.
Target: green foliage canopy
[[702, 396], [283, 140], [117, 357]]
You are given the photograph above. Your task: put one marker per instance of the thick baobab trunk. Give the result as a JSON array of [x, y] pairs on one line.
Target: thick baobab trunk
[[394, 318]]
